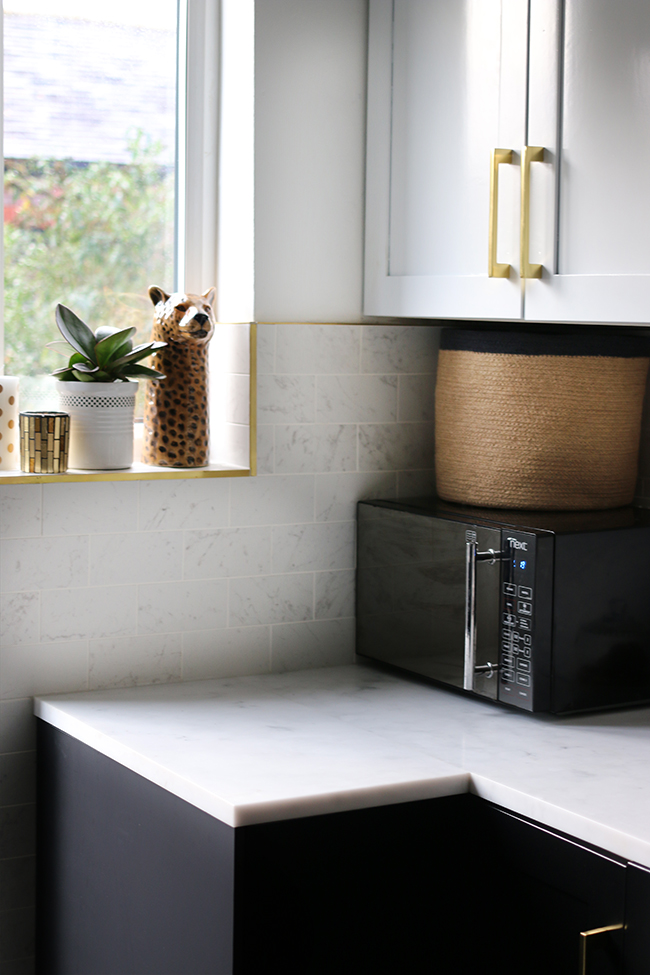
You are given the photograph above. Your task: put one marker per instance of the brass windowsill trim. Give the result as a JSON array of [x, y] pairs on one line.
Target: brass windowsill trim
[[139, 472]]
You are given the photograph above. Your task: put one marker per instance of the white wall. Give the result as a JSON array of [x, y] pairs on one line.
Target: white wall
[[310, 67]]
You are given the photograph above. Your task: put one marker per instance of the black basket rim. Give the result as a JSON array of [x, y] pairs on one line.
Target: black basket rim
[[536, 343]]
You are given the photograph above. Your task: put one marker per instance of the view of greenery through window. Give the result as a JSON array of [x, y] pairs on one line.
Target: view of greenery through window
[[89, 171]]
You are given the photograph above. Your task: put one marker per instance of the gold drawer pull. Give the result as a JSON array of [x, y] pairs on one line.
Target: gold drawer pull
[[529, 154], [496, 270], [584, 939]]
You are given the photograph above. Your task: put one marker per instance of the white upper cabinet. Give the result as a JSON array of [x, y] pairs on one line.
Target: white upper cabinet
[[463, 221], [447, 85]]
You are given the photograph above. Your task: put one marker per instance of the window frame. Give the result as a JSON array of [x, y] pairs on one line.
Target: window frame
[[214, 205]]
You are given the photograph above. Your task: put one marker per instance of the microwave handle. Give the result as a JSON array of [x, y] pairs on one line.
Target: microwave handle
[[472, 557]]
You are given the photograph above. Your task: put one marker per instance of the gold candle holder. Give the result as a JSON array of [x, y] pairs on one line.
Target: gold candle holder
[[44, 442]]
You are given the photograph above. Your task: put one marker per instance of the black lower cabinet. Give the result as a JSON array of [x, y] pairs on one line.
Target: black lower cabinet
[[135, 881], [637, 921]]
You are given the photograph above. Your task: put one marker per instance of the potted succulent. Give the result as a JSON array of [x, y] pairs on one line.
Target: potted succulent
[[98, 388]]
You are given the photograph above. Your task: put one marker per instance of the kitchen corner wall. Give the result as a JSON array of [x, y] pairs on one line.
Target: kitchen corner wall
[[111, 584]]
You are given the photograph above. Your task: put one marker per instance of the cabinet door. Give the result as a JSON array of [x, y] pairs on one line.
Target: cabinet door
[[590, 197], [540, 891], [446, 86]]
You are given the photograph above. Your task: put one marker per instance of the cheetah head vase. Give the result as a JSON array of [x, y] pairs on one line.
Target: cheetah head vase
[[176, 421], [184, 317]]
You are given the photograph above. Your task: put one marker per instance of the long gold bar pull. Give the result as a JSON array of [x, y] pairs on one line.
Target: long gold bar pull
[[529, 154], [584, 938], [496, 270]]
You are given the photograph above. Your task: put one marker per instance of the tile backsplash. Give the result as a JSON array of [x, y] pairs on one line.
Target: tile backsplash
[[119, 583], [111, 584]]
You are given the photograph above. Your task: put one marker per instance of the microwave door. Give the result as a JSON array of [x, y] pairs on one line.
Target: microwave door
[[412, 596]]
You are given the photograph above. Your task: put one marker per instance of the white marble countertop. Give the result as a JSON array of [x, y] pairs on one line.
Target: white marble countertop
[[257, 749]]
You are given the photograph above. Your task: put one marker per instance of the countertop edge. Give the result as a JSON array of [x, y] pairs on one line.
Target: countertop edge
[[455, 782]]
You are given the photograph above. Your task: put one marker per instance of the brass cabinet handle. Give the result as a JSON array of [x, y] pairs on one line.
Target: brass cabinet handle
[[496, 270], [529, 154], [584, 939]]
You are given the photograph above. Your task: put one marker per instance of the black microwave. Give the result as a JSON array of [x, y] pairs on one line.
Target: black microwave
[[545, 611]]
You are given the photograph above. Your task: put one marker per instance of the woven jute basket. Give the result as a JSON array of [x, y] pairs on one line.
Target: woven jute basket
[[528, 420]]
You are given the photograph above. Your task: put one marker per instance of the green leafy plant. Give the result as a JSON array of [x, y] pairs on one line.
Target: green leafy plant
[[104, 356]]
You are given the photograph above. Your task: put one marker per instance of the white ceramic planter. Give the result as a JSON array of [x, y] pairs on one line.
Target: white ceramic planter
[[101, 424]]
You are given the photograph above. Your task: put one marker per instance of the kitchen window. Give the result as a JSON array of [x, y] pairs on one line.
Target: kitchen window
[[114, 113]]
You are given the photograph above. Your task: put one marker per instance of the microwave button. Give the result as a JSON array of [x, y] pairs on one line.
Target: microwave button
[[509, 589], [524, 624], [508, 675], [523, 679], [525, 592], [516, 637], [509, 619], [507, 660], [523, 664], [525, 608], [527, 639], [526, 651]]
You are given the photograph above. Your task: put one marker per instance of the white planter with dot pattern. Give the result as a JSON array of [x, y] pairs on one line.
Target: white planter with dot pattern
[[101, 424]]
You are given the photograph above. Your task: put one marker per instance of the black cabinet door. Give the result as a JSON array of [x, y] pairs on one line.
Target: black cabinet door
[[541, 890], [637, 921]]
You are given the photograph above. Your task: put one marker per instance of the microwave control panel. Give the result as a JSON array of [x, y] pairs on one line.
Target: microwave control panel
[[517, 618]]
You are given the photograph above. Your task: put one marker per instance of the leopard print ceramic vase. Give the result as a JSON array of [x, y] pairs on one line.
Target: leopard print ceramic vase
[[176, 420]]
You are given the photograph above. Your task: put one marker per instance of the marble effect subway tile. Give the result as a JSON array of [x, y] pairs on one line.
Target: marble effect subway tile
[[416, 399], [316, 447], [399, 348], [78, 614], [43, 668], [20, 510], [17, 723], [334, 594], [266, 350], [18, 778], [275, 500], [227, 552], [235, 652], [179, 606], [19, 618], [356, 399], [44, 563], [302, 548], [127, 662], [135, 558], [321, 643], [288, 399], [238, 402], [318, 349], [76, 508], [337, 494], [194, 503], [414, 484], [271, 599], [396, 446], [266, 449]]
